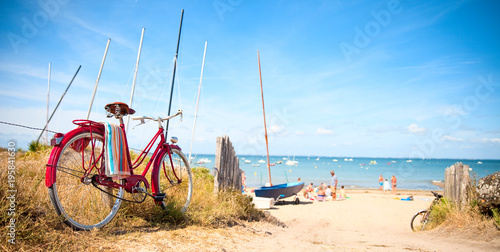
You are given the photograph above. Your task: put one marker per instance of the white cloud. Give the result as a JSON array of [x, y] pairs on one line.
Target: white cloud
[[490, 140], [276, 129], [322, 131], [414, 128], [299, 133], [452, 139]]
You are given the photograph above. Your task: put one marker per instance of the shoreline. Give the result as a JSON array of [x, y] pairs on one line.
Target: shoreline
[[439, 184]]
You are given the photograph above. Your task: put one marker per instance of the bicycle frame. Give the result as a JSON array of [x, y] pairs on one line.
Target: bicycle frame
[[94, 127]]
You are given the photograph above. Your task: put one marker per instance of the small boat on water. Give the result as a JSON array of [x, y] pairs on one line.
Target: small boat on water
[[261, 161], [256, 165], [409, 161], [204, 161], [247, 161]]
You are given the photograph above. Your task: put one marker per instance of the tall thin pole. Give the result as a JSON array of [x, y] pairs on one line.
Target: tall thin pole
[[135, 76], [53, 112], [198, 100], [98, 77], [265, 127], [173, 75], [48, 99]]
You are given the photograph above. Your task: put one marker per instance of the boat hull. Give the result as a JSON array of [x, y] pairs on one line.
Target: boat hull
[[281, 190]]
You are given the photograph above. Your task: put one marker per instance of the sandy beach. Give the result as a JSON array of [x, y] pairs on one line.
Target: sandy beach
[[368, 221]]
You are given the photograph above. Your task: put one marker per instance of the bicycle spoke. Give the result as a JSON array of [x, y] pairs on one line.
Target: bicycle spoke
[[83, 206]]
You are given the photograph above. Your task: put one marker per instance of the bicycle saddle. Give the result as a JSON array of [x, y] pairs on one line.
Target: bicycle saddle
[[118, 109]]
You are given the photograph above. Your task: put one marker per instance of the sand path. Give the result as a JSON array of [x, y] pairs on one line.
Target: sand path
[[374, 222]]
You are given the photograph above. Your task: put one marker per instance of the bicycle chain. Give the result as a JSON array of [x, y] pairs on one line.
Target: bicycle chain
[[133, 201]]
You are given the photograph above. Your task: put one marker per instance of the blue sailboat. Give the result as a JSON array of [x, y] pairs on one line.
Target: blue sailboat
[[277, 191]]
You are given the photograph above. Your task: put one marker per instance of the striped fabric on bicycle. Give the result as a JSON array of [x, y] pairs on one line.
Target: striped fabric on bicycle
[[115, 152]]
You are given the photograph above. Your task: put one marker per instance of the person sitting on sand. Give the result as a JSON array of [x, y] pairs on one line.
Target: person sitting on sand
[[307, 191], [321, 193], [328, 193], [342, 192]]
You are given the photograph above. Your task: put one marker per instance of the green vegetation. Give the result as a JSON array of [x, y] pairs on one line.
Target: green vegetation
[[35, 146], [496, 217], [38, 228]]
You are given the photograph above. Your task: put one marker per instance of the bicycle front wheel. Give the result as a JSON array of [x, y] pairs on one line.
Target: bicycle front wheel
[[419, 220], [81, 204], [175, 181]]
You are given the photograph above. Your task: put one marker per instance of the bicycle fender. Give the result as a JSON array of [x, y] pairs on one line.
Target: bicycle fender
[[154, 173], [50, 171]]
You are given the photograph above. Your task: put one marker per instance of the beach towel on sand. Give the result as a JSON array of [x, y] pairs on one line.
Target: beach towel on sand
[[115, 152]]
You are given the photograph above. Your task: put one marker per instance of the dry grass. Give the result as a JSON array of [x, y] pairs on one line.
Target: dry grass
[[468, 223], [39, 229]]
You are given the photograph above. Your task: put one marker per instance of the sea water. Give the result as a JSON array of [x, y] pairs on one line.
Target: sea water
[[353, 173]]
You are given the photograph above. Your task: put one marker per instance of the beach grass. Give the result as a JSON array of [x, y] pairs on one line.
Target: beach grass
[[37, 227]]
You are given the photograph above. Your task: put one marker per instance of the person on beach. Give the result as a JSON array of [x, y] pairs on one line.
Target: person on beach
[[308, 189], [342, 192], [328, 193], [387, 187], [243, 182], [381, 182], [321, 194], [333, 183], [394, 180]]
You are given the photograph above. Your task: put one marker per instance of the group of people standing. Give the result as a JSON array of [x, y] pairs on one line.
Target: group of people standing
[[384, 184]]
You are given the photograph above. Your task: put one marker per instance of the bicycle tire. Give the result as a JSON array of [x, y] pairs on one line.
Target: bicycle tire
[[419, 220], [81, 205], [177, 194]]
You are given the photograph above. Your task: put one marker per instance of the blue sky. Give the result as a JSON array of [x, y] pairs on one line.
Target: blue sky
[[408, 79]]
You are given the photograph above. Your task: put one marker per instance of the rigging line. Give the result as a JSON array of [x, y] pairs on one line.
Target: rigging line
[[28, 127], [178, 86]]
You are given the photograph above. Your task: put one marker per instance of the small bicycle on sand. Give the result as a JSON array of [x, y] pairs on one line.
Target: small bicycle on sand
[[86, 198], [421, 218]]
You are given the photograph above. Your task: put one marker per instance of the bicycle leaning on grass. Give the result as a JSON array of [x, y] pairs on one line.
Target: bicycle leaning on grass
[[86, 197], [421, 218]]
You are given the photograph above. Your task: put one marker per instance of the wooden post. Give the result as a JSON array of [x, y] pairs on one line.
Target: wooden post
[[228, 172], [456, 184]]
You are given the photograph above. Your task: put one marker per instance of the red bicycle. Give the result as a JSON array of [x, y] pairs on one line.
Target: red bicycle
[[86, 198]]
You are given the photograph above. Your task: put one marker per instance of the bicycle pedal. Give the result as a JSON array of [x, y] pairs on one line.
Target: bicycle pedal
[[160, 196]]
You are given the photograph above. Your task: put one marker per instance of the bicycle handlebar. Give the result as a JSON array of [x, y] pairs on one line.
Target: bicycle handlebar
[[159, 119], [437, 195]]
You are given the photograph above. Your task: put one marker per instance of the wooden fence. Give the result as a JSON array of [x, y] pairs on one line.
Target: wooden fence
[[456, 184], [227, 166]]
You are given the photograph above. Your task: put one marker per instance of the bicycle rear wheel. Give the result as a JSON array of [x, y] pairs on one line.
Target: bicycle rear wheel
[[419, 220], [81, 204], [176, 181]]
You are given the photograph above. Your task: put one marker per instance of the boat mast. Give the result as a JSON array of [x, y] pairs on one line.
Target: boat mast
[[135, 76], [57, 106], [173, 75], [265, 128], [99, 77], [197, 100], [48, 98]]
